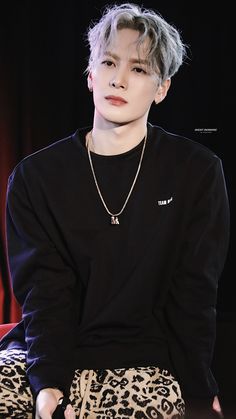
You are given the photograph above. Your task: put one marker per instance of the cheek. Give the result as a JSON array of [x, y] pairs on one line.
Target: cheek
[[98, 96], [98, 87], [145, 97], [99, 77], [145, 90]]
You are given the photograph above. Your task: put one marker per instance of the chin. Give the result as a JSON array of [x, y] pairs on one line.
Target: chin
[[116, 115]]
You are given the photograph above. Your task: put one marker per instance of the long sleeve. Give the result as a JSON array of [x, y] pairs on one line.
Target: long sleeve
[[97, 292], [43, 284], [191, 308]]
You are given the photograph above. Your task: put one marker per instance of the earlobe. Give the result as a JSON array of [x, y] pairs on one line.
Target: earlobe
[[159, 96], [162, 91], [90, 83]]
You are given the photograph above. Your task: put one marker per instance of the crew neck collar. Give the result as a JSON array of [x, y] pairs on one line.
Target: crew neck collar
[[80, 135]]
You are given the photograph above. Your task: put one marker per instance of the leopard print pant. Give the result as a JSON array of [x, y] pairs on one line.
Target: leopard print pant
[[140, 393]]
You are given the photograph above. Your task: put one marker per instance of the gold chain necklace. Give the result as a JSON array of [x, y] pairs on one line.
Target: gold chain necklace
[[114, 217]]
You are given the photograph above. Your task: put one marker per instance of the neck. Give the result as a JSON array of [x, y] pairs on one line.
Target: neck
[[116, 140]]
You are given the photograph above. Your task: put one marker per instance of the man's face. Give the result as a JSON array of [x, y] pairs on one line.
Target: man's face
[[123, 86]]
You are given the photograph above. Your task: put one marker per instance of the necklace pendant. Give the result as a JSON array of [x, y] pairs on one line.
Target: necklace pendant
[[114, 220]]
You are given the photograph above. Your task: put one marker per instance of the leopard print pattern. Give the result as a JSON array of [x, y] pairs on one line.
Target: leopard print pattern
[[16, 400], [139, 393]]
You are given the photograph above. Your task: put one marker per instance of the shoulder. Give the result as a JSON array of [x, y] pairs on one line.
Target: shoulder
[[184, 151], [49, 161], [44, 155]]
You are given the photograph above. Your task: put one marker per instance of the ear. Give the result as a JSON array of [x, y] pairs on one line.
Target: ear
[[90, 82], [162, 91]]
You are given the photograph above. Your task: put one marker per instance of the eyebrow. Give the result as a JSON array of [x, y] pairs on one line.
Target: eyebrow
[[132, 60]]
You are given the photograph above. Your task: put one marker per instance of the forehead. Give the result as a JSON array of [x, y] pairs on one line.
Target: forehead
[[126, 42]]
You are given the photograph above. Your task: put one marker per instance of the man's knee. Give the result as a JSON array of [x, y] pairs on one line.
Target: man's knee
[[15, 395]]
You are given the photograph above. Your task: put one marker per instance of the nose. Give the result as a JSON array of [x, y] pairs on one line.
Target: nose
[[117, 84], [119, 80]]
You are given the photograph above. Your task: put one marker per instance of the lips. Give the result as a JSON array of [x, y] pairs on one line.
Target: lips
[[116, 100]]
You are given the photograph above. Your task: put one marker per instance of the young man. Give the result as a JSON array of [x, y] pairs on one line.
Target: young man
[[117, 237]]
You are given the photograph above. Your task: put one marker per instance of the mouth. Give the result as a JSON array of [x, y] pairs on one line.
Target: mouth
[[116, 100]]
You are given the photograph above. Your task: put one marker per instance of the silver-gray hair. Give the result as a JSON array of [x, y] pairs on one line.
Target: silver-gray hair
[[166, 49]]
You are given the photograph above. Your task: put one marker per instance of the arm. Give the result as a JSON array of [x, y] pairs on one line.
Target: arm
[[43, 284], [191, 306]]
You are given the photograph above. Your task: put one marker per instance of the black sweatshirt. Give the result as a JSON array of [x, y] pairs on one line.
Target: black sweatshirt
[[96, 295]]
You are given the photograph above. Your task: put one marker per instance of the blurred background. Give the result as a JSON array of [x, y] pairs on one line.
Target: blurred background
[[44, 97]]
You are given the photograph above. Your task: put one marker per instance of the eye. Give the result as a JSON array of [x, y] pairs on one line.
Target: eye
[[108, 63], [139, 70]]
